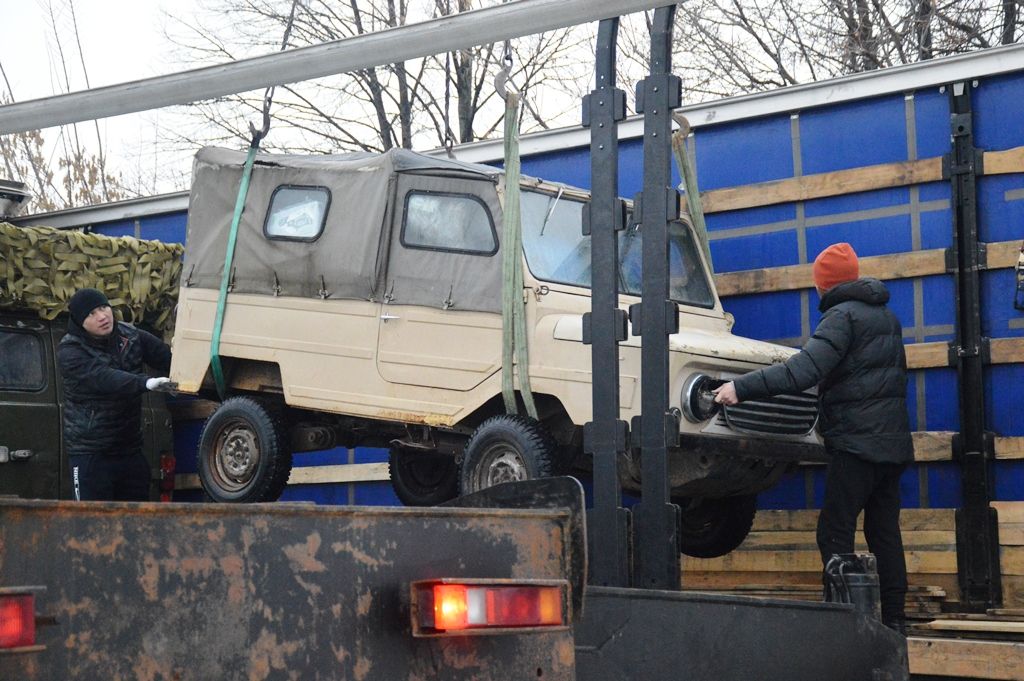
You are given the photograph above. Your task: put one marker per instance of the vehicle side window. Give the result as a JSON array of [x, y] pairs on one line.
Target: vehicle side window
[[459, 223], [21, 366], [297, 213]]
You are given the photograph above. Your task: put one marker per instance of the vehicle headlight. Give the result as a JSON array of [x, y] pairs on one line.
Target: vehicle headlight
[[697, 399]]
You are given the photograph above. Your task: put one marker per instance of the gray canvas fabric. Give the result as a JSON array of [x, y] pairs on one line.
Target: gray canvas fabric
[[438, 278], [348, 259]]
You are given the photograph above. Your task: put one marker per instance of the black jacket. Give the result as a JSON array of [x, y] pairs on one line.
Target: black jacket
[[857, 360], [103, 384]]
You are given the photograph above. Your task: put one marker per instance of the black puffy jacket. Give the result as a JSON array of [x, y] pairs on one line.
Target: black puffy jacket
[[103, 384], [857, 360]]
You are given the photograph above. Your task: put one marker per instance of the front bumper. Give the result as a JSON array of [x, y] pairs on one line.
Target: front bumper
[[713, 467]]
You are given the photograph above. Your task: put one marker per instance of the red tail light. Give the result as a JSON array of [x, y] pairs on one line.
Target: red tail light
[[487, 606], [168, 465], [17, 621]]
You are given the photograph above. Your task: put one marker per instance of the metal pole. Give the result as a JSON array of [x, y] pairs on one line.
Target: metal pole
[[604, 327], [977, 528], [656, 537], [444, 34]]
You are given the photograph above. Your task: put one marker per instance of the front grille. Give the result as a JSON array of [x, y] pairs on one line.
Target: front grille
[[780, 415]]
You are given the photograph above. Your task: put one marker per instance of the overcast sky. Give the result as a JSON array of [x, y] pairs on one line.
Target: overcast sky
[[122, 40]]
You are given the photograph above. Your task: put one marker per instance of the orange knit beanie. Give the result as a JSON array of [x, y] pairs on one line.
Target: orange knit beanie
[[835, 265]]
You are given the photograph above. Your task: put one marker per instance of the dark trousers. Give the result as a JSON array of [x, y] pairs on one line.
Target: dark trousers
[[102, 477], [853, 485]]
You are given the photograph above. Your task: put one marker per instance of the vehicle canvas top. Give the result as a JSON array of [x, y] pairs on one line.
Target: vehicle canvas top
[[319, 227]]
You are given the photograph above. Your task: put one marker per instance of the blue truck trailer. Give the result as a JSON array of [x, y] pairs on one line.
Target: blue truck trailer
[[920, 168], [295, 590]]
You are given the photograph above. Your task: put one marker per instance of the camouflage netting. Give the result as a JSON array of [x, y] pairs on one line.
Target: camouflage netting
[[42, 267]]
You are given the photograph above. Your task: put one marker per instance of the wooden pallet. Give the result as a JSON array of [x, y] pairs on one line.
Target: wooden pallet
[[966, 659], [780, 558]]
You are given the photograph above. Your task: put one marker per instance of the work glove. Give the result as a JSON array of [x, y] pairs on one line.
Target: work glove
[[162, 384]]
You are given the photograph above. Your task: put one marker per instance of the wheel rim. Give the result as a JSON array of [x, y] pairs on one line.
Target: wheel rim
[[236, 456], [500, 463]]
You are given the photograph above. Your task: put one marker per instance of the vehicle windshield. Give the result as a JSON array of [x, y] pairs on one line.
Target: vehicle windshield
[[557, 251]]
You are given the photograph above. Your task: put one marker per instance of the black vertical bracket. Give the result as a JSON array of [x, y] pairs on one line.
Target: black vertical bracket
[[655, 519], [605, 438], [977, 528]]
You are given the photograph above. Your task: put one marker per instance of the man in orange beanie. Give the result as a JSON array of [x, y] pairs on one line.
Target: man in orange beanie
[[857, 360]]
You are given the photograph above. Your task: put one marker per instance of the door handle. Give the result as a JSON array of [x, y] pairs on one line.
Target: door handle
[[387, 316]]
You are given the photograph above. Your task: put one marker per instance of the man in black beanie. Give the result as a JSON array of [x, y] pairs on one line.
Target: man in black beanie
[[101, 365]]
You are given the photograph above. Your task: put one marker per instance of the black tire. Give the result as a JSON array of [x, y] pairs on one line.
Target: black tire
[[422, 478], [243, 453], [508, 448], [713, 527]]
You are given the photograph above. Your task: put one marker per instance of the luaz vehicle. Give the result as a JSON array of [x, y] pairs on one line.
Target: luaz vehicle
[[364, 307]]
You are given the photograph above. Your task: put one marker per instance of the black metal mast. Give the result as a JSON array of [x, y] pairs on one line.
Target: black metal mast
[[977, 528], [605, 325], [656, 520]]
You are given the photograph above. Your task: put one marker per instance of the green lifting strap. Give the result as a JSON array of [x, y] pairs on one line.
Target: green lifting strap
[[513, 307], [229, 256], [689, 175]]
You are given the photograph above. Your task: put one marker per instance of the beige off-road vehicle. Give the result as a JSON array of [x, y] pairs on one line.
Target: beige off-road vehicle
[[365, 308]]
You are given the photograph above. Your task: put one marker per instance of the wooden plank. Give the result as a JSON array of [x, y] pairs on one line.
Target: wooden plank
[[911, 519], [927, 355], [703, 579], [694, 578], [1006, 612], [820, 185], [850, 181], [1002, 162], [965, 659], [792, 277], [989, 615], [1010, 448], [1000, 255], [313, 475], [1007, 350], [1011, 534], [805, 540], [938, 446], [933, 445], [1009, 511], [768, 279], [928, 562], [1013, 591], [1011, 560], [994, 626]]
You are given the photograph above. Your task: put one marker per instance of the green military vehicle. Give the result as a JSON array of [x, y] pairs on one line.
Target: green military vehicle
[[39, 268]]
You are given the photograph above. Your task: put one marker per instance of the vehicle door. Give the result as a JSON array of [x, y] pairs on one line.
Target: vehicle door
[[440, 321], [31, 465]]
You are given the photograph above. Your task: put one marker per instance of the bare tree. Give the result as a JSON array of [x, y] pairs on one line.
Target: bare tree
[[56, 181], [64, 172], [448, 97], [728, 47]]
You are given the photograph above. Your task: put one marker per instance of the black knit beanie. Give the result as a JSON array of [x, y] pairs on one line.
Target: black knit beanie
[[84, 302]]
